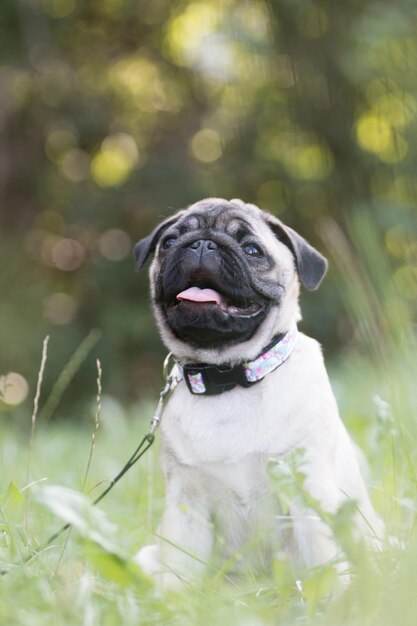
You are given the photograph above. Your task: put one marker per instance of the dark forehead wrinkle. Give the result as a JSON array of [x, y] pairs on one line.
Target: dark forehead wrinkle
[[221, 218], [190, 223]]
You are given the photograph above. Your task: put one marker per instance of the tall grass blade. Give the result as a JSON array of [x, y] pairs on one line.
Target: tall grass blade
[[68, 373]]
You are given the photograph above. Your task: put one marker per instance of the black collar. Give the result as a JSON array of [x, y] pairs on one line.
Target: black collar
[[210, 380]]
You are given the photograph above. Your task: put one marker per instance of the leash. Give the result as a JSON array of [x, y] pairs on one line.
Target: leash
[[172, 377]]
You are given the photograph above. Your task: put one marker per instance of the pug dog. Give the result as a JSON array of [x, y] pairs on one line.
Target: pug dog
[[225, 282]]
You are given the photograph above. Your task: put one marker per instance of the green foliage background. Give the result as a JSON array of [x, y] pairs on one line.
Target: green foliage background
[[114, 113]]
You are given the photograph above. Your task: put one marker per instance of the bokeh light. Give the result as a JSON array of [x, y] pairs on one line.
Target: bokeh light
[[67, 255], [13, 389], [115, 161], [60, 308], [75, 165], [206, 145], [115, 244], [376, 134], [190, 32]]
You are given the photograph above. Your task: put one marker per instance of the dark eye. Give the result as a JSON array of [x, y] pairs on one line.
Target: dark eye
[[168, 242], [253, 250]]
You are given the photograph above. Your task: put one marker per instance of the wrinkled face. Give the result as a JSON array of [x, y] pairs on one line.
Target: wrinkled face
[[222, 281]]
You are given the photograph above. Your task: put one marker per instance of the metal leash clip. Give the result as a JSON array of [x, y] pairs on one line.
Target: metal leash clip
[[172, 376]]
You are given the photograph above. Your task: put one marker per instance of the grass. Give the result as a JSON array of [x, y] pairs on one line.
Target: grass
[[94, 582], [87, 577]]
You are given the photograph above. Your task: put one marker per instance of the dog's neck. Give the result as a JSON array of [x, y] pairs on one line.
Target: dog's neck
[[206, 379]]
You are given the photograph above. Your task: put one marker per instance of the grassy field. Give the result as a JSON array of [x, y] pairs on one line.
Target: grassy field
[[50, 473], [87, 576]]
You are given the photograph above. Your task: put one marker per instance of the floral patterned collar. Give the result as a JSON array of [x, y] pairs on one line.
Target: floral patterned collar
[[212, 379]]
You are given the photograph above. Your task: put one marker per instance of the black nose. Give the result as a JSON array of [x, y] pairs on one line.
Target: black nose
[[204, 245], [201, 256]]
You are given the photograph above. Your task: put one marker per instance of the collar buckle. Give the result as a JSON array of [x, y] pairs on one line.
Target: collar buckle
[[214, 379]]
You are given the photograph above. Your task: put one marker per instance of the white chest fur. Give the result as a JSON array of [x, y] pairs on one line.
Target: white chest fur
[[214, 455], [266, 419]]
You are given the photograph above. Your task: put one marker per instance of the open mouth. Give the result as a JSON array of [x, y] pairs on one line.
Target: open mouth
[[202, 313], [206, 296]]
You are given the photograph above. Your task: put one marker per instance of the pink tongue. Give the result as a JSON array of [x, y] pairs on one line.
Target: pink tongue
[[195, 294]]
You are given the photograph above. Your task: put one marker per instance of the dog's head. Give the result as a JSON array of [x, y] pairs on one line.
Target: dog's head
[[225, 279]]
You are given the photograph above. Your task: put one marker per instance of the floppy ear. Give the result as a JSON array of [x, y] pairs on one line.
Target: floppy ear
[[146, 246], [311, 265]]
